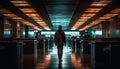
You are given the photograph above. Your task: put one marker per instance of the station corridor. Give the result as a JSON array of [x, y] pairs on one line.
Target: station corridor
[[47, 59], [28, 34]]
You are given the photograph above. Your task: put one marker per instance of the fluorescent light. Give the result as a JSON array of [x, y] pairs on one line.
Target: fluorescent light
[[30, 12], [32, 15], [93, 10], [117, 10], [3, 11], [101, 3], [20, 3], [88, 15], [27, 10]]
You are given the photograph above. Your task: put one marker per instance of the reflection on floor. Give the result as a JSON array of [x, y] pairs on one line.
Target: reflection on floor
[[71, 59]]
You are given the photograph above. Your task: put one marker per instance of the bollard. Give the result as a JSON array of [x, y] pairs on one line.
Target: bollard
[[20, 45]]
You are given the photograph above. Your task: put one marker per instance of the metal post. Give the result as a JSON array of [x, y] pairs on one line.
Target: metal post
[[44, 47], [48, 44], [75, 46], [20, 54], [93, 55], [35, 52]]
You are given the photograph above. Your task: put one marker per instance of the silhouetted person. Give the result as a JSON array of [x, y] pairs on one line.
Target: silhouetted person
[[59, 65], [60, 40], [86, 36]]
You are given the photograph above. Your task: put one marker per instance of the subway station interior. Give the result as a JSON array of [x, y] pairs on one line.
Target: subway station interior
[[92, 31]]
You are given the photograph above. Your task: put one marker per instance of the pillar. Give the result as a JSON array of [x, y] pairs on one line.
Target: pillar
[[26, 31], [14, 29], [19, 30], [105, 29], [1, 26]]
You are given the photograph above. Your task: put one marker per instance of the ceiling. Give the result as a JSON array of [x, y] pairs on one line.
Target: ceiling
[[71, 14]]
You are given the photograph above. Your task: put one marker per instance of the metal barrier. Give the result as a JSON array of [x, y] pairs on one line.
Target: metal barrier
[[20, 45], [103, 54]]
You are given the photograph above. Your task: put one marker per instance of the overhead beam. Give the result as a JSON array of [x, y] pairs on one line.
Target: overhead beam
[[81, 7], [105, 10], [9, 6], [39, 6]]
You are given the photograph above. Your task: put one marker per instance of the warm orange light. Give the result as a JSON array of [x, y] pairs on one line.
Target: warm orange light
[[26, 22], [88, 15], [77, 25], [82, 20], [76, 62], [104, 18], [86, 27], [32, 15], [73, 28], [30, 12], [42, 23], [117, 10], [10, 15], [91, 24], [37, 28], [110, 15], [17, 18], [3, 11], [27, 10], [20, 3], [85, 17], [13, 16], [93, 10], [101, 2], [38, 20]]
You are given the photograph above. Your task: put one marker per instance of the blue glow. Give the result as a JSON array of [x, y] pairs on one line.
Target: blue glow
[[72, 33], [7, 33], [47, 32], [113, 33], [98, 32], [31, 34], [47, 35], [66, 49], [56, 24], [61, 20], [23, 32], [60, 17]]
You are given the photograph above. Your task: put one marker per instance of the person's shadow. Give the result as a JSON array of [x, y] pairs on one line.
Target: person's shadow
[[60, 65]]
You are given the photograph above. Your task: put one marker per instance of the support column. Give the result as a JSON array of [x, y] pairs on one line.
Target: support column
[[1, 27], [19, 30], [105, 29], [14, 29], [26, 31]]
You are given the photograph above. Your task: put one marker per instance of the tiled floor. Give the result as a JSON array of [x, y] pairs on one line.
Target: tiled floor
[[48, 59]]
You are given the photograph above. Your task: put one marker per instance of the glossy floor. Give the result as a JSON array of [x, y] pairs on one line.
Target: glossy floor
[[49, 59]]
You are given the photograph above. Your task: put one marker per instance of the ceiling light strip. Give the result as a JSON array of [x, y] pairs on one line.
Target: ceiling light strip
[[17, 18], [30, 12], [107, 16], [90, 12]]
